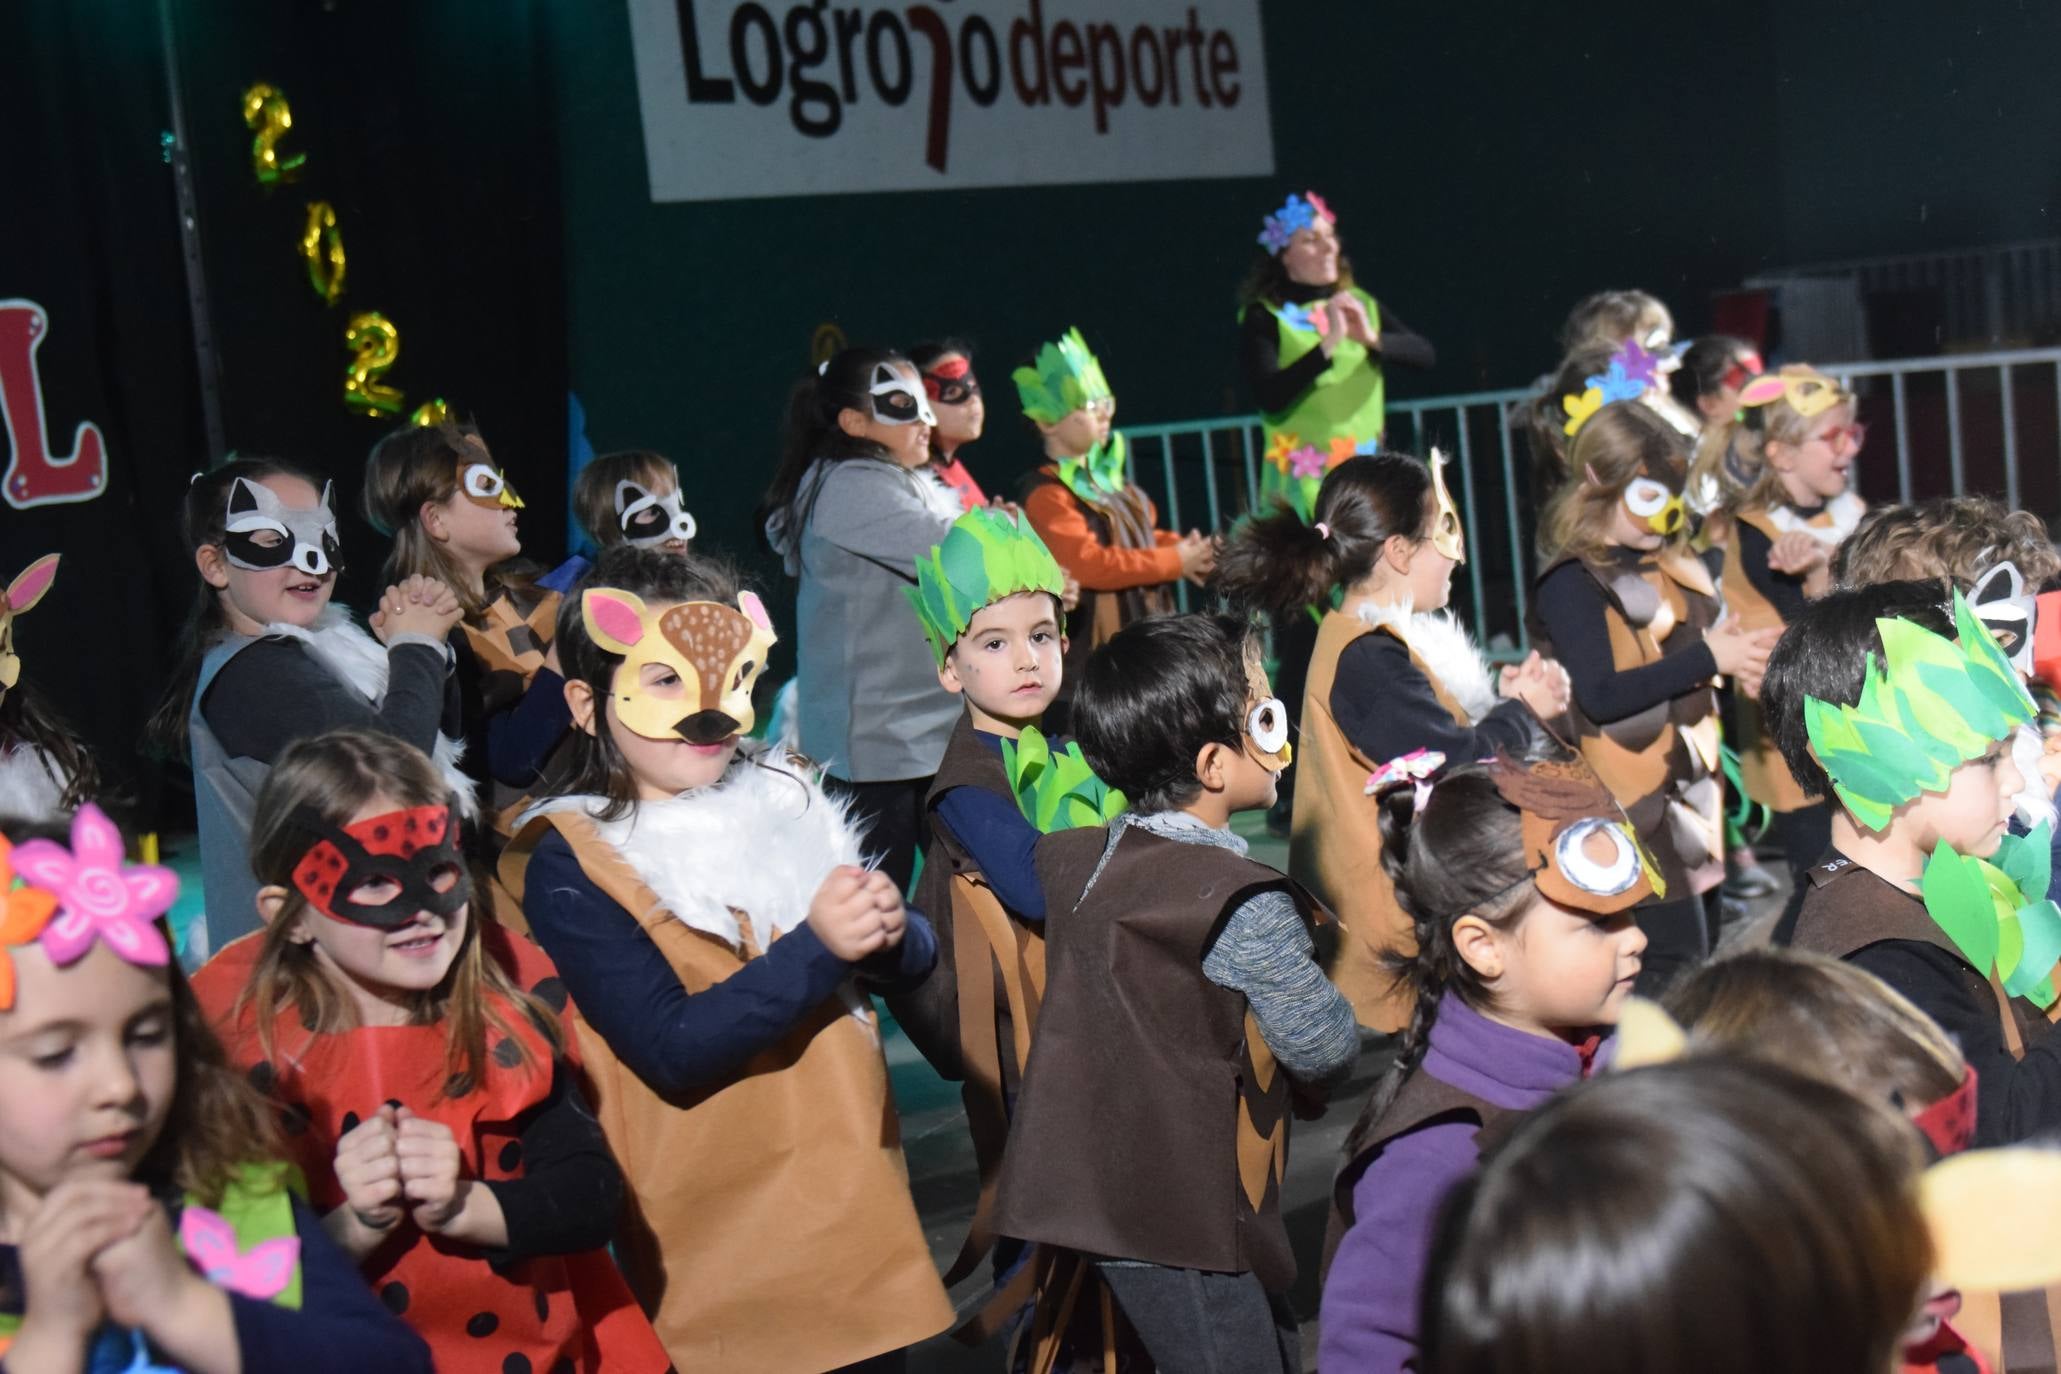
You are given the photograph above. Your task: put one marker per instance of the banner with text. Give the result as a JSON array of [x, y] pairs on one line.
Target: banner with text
[[744, 100]]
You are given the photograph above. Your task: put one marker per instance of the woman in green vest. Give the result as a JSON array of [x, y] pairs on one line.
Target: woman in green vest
[[1312, 345]]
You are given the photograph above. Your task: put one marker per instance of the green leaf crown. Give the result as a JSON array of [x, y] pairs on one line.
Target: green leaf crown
[[986, 555]]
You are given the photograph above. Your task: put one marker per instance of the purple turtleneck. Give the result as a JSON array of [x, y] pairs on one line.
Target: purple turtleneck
[[1369, 1316]]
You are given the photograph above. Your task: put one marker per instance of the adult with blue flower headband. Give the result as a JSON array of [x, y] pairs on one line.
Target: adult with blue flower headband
[[1312, 345]]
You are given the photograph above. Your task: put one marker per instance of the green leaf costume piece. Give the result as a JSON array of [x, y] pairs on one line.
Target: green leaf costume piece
[[1930, 705], [986, 555], [1057, 791], [1064, 377], [1098, 474], [1984, 909]]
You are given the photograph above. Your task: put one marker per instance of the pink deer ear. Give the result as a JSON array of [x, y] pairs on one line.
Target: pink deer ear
[[1761, 390], [614, 619], [34, 580], [755, 609]]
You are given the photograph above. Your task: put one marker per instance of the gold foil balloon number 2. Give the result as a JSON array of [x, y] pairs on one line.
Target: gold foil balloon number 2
[[270, 118], [375, 345], [373, 341]]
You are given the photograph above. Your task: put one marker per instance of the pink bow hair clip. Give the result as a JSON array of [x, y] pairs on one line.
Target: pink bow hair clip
[[1416, 767]]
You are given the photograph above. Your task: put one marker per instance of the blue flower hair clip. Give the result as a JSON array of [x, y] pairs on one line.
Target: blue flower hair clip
[[1297, 212], [1633, 371]]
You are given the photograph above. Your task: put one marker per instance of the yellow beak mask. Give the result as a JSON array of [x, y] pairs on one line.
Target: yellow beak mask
[[1448, 536], [708, 655]]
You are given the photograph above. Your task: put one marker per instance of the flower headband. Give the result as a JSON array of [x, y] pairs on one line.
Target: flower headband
[[65, 899], [1631, 373], [1297, 212]]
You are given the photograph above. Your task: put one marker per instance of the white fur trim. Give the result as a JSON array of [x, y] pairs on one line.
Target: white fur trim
[[784, 730], [939, 498], [1846, 510], [1447, 650], [30, 787], [760, 842], [339, 644], [2034, 803]]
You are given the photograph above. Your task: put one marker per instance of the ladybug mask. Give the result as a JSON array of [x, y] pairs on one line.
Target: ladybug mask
[[417, 849]]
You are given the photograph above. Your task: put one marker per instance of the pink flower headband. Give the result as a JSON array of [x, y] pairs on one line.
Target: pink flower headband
[[65, 899], [1297, 212]]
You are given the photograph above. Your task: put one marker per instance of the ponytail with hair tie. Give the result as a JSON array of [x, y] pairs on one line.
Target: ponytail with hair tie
[[1273, 564]]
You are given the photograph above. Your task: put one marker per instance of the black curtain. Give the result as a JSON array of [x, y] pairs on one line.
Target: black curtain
[[427, 126]]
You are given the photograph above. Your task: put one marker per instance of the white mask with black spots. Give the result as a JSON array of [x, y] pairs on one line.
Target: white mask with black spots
[[649, 520], [898, 399], [308, 540]]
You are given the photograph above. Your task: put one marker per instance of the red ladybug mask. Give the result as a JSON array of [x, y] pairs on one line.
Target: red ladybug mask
[[416, 849]]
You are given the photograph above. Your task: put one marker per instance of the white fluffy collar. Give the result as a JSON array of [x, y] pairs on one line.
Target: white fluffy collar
[[30, 786], [1845, 511], [339, 644], [759, 842], [939, 497], [1446, 649]]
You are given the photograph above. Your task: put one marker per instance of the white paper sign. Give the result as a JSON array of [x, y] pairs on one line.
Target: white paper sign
[[748, 99]]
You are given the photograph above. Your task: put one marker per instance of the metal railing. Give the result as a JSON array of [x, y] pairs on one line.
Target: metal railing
[[1979, 422], [1994, 294]]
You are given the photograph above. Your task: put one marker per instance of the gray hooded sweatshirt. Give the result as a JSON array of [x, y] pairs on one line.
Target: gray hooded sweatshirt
[[868, 699]]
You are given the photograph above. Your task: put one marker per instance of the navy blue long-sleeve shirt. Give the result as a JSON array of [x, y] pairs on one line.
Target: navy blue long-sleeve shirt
[[1384, 704], [1783, 591], [520, 740], [340, 1327], [993, 831], [675, 1040]]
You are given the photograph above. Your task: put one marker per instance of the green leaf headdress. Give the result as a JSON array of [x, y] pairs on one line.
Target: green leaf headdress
[[985, 556], [1928, 707], [1057, 791], [1063, 378]]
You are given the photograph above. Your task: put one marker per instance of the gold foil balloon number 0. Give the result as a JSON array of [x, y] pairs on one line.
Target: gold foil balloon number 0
[[322, 248], [270, 118], [375, 346]]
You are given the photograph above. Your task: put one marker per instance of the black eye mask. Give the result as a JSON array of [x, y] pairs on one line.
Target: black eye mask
[[897, 400], [412, 848], [307, 538], [647, 520]]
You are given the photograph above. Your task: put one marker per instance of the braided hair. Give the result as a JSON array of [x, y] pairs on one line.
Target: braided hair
[[1462, 855]]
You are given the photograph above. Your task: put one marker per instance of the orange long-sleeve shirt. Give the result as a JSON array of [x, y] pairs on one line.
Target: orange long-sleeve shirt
[[1061, 521]]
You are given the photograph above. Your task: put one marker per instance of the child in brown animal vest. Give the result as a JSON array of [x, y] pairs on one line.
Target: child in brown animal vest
[[704, 895], [1784, 461], [1520, 880], [1393, 679], [1635, 617], [1184, 1008]]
